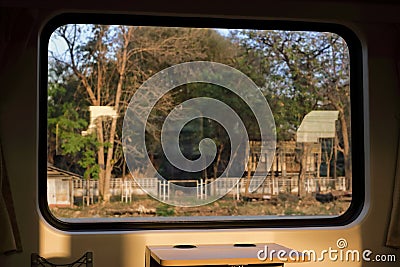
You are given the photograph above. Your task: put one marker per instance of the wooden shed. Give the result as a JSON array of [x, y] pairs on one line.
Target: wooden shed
[[60, 190]]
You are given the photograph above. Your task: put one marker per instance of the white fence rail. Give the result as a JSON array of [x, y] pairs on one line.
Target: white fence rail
[[161, 188]]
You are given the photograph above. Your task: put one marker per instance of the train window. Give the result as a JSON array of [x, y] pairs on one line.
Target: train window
[[160, 122]]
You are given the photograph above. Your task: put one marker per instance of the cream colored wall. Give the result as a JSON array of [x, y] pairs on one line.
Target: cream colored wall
[[18, 132]]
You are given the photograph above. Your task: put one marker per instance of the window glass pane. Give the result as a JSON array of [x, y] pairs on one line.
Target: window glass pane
[[197, 123]]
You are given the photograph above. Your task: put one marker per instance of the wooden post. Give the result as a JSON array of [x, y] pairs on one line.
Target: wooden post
[[335, 157], [201, 189], [319, 160], [283, 156], [237, 190], [71, 192], [249, 169]]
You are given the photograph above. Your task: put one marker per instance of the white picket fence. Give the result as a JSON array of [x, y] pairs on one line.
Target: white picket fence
[[162, 189]]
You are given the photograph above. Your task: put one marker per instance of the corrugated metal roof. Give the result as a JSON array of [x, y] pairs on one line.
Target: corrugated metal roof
[[54, 172], [317, 124]]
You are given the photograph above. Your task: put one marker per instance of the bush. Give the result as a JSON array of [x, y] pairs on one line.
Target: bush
[[165, 210]]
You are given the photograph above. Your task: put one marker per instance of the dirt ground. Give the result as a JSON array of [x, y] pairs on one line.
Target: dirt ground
[[142, 206]]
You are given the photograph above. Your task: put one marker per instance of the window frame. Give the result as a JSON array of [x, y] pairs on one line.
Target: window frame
[[106, 224]]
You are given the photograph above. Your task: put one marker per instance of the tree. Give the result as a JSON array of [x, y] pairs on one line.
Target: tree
[[80, 149], [306, 71], [111, 62]]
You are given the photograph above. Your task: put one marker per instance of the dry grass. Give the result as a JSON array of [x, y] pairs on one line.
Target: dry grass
[[142, 206]]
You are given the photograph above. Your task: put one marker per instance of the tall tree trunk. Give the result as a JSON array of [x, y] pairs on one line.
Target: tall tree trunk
[[99, 127], [110, 151], [109, 166], [218, 161], [100, 157], [346, 151], [346, 144]]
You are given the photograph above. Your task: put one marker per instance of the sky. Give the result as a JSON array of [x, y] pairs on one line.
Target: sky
[[58, 46]]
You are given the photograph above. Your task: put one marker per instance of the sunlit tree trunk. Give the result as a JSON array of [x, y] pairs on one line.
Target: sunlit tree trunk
[[123, 58], [100, 157], [346, 152]]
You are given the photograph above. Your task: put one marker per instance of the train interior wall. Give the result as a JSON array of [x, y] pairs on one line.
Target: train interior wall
[[377, 25]]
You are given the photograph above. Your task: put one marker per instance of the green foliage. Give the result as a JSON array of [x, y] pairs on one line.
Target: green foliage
[[296, 71], [302, 71], [165, 210], [67, 129]]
